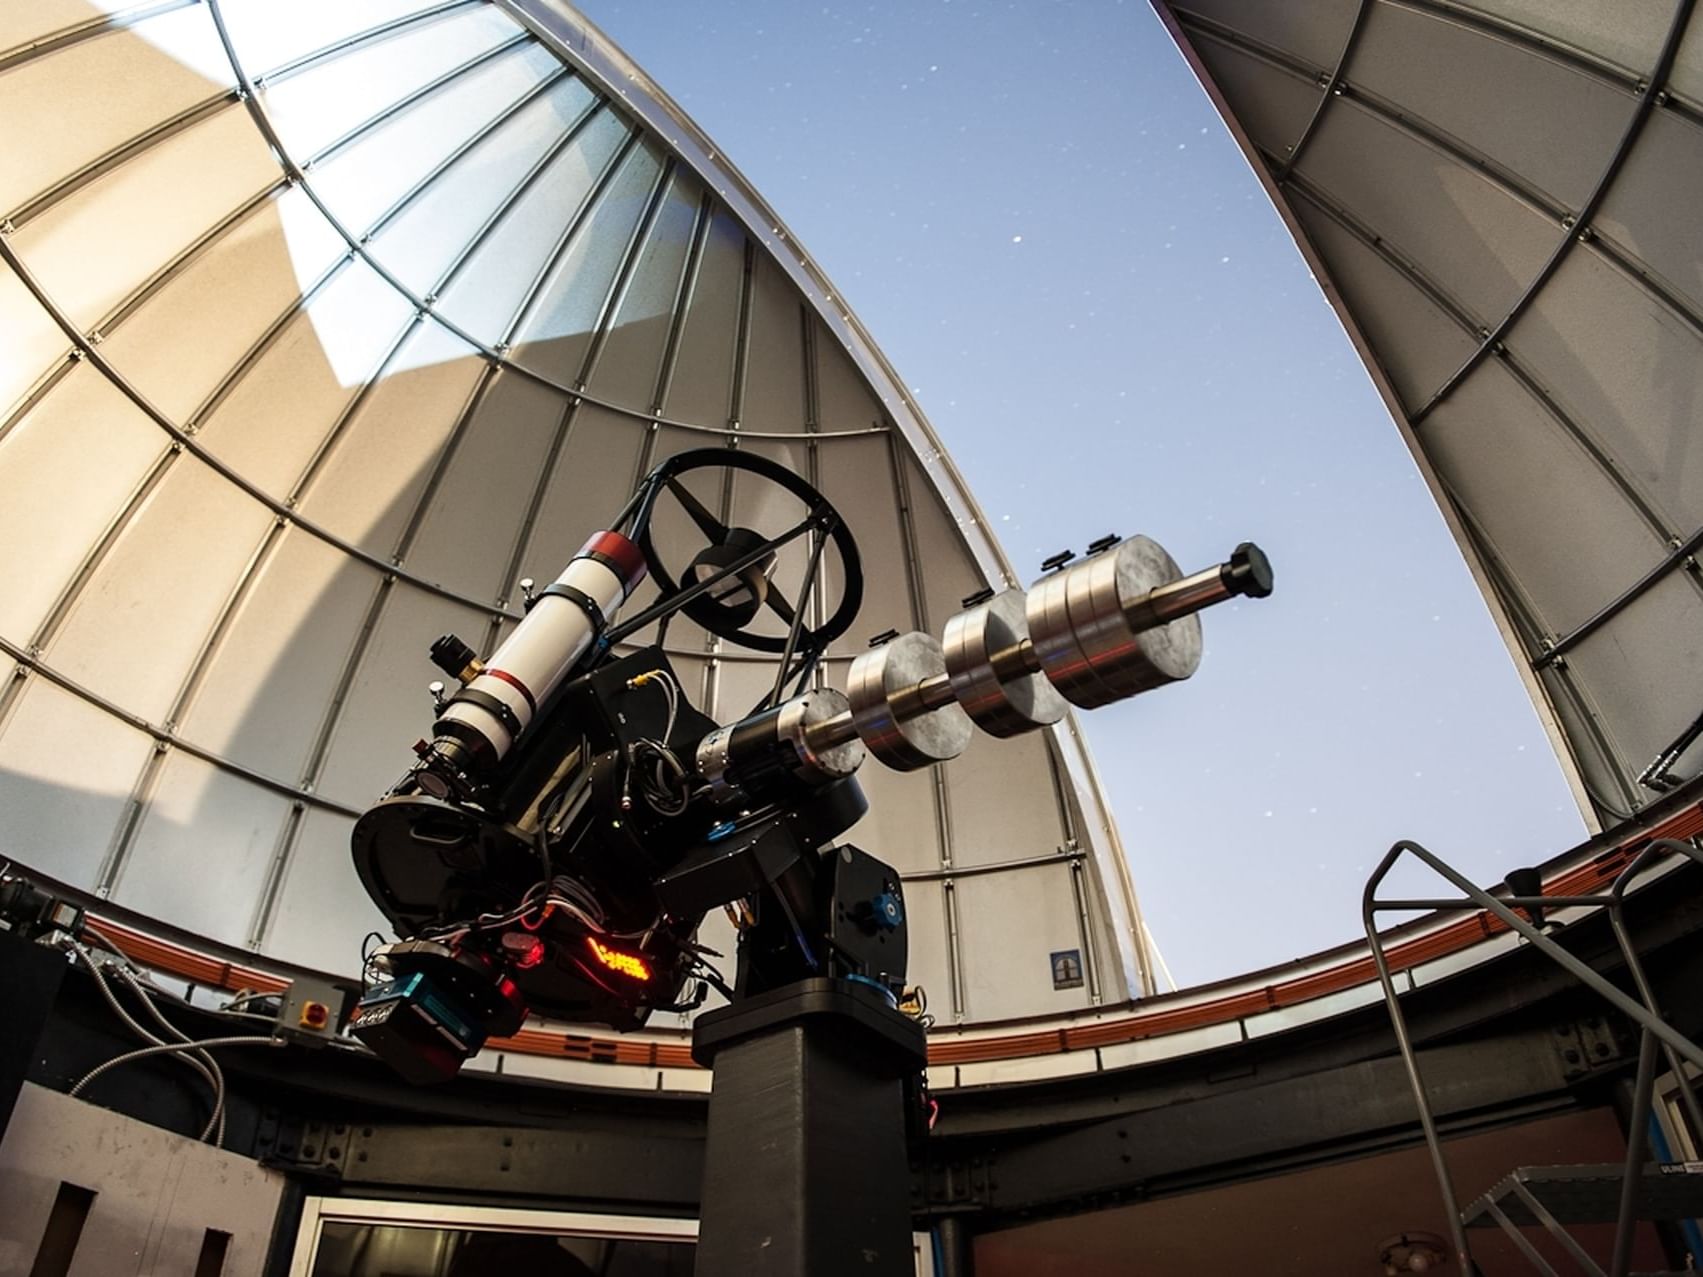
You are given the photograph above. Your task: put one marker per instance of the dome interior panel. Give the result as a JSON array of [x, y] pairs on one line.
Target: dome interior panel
[[203, 851], [488, 292], [740, 685], [436, 221], [987, 827], [857, 478], [55, 506], [374, 474], [947, 573], [1559, 135], [274, 413], [630, 365], [36, 348], [557, 337], [586, 488], [843, 400], [175, 560], [1602, 766], [266, 35], [1662, 173], [366, 174], [1470, 236], [386, 705], [272, 672], [320, 912], [86, 100], [1649, 653], [1008, 964], [1627, 34], [927, 964], [1277, 100], [700, 389], [1686, 78], [1624, 368], [94, 248], [1496, 448], [1313, 31], [66, 771], [315, 106], [28, 24], [902, 825], [775, 397], [1418, 343], [467, 533], [179, 344]]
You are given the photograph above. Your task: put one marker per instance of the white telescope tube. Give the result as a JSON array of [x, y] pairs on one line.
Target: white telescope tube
[[496, 706]]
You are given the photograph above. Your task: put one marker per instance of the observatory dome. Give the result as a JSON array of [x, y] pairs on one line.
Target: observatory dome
[[326, 325]]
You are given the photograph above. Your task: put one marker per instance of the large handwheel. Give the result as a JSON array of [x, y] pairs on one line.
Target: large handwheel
[[728, 608]]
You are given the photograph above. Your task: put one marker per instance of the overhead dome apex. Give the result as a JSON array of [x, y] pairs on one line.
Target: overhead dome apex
[[327, 324]]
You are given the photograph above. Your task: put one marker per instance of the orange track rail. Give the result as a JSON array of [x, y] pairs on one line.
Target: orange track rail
[[1590, 878]]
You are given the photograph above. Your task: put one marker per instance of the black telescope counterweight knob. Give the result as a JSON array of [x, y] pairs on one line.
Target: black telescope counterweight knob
[[1248, 571]]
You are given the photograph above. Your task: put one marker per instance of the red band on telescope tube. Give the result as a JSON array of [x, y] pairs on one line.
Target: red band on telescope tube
[[515, 683], [625, 558]]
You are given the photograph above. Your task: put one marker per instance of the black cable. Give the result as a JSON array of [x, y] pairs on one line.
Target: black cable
[[367, 947], [541, 840], [705, 972], [666, 800]]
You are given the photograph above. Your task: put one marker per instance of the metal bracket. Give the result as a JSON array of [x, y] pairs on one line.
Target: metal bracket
[[288, 1143], [1588, 1046], [969, 1182]]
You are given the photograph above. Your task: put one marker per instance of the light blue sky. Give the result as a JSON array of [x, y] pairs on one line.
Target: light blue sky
[[1042, 220]]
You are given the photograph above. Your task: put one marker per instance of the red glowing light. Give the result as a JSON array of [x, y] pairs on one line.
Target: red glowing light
[[624, 963]]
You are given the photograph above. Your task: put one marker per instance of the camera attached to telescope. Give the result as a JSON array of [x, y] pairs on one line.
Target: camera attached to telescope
[[572, 818]]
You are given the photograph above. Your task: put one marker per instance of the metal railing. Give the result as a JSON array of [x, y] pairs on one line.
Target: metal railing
[[1656, 1035]]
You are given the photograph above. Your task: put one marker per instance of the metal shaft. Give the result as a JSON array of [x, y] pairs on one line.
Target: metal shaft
[[1245, 573], [1178, 599]]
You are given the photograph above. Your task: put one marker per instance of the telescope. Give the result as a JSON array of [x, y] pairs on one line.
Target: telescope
[[572, 818]]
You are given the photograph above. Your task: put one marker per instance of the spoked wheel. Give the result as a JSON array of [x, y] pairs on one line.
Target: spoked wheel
[[727, 584]]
